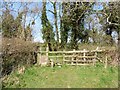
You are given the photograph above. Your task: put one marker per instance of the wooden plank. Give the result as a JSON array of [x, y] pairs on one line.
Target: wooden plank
[[81, 56], [63, 56], [51, 52], [55, 56], [76, 51], [105, 62], [42, 52], [73, 56], [94, 60], [97, 51], [87, 61], [40, 56], [56, 52], [84, 55], [78, 61], [77, 64], [67, 60]]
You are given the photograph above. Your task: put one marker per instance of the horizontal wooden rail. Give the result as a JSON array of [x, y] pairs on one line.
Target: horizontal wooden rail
[[86, 51], [74, 56], [78, 64], [55, 56], [78, 61], [81, 57]]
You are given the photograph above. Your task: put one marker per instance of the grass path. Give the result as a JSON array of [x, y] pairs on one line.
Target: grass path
[[67, 77]]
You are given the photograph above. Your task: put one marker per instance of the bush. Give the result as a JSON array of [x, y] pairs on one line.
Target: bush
[[17, 52], [112, 57]]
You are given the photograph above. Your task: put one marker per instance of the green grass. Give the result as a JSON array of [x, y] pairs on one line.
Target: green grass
[[66, 77]]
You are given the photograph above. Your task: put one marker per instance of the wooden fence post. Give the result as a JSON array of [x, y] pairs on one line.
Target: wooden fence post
[[47, 52], [40, 55], [63, 56], [94, 60], [105, 62], [84, 54], [73, 56]]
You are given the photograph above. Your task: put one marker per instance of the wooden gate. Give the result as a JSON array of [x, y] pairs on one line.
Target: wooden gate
[[81, 57]]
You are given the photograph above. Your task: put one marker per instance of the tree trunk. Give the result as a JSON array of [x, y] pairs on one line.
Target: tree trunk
[[56, 26]]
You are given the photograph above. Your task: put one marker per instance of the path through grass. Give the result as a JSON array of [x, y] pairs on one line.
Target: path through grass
[[67, 77]]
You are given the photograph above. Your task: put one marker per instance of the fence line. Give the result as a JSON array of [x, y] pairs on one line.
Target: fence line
[[80, 51], [75, 57]]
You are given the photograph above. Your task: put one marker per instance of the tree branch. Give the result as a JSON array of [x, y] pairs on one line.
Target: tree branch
[[110, 23]]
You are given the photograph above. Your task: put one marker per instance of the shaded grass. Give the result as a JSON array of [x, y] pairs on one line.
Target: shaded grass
[[67, 77]]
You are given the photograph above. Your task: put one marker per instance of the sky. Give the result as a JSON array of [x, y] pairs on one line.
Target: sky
[[36, 29], [38, 35]]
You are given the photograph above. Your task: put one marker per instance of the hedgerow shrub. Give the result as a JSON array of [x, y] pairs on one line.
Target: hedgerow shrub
[[17, 52]]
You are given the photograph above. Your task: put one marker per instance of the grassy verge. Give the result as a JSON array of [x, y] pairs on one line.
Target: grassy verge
[[65, 77]]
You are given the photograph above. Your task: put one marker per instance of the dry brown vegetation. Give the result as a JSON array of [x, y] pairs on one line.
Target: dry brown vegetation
[[17, 52]]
